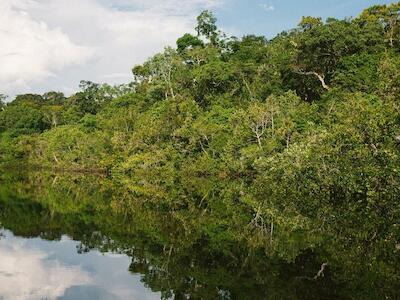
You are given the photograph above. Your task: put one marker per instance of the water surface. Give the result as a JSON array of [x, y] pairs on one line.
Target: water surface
[[71, 236], [33, 268]]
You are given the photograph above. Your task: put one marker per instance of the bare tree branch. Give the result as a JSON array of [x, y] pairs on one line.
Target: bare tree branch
[[320, 77]]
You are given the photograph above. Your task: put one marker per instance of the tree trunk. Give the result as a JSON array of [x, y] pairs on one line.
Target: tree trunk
[[259, 140]]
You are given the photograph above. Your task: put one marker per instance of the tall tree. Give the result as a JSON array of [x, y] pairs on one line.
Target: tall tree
[[206, 26], [320, 48], [54, 98], [388, 16]]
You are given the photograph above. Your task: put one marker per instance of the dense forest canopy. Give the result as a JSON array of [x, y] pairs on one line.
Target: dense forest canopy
[[191, 101], [306, 125]]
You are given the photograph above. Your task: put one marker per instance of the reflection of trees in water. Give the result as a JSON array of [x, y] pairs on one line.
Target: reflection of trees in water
[[199, 241]]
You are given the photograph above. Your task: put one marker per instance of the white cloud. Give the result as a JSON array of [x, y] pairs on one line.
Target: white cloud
[[52, 44], [267, 7], [31, 51], [28, 274]]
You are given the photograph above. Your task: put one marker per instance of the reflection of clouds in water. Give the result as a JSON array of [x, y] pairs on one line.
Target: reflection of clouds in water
[[27, 274]]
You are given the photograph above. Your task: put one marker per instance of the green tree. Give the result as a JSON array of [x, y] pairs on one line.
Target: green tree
[[308, 23], [188, 41], [33, 100], [54, 98], [388, 16], [206, 27], [320, 49], [22, 119]]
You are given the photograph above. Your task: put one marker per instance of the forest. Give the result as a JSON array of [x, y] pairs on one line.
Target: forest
[[296, 137]]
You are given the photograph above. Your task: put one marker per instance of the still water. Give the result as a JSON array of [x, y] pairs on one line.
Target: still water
[[71, 236], [33, 268]]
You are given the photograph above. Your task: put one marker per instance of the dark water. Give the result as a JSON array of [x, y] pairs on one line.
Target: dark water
[[67, 236]]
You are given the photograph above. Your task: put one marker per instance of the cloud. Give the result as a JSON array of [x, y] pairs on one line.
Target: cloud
[[169, 6], [267, 7], [52, 44], [31, 51], [28, 274]]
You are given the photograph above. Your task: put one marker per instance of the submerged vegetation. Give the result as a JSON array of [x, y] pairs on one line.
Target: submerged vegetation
[[287, 147]]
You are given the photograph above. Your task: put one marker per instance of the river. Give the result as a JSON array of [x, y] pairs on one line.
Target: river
[[71, 236]]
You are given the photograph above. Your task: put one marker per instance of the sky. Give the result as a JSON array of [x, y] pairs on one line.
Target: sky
[[53, 44]]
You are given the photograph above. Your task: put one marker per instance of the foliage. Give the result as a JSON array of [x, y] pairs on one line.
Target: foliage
[[302, 132], [188, 41], [22, 119], [206, 26]]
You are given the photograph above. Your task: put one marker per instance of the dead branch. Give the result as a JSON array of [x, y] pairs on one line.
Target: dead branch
[[321, 271], [320, 77]]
